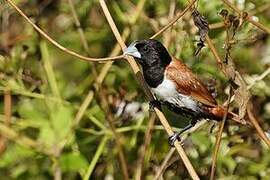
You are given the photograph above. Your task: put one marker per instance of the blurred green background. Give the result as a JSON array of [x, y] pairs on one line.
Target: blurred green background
[[47, 138]]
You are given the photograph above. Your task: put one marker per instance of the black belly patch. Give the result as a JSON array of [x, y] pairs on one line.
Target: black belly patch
[[186, 112]]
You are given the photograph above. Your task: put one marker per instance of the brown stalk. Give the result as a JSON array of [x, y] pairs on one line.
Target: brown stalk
[[57, 171], [167, 36], [216, 25], [218, 139], [256, 125], [136, 70], [143, 149], [46, 36], [248, 18], [164, 163], [215, 53]]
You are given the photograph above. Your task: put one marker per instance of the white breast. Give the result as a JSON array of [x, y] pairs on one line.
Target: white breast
[[166, 91]]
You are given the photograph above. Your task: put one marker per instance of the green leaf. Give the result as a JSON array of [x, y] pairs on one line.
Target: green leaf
[[15, 154], [47, 135], [201, 140], [31, 109], [73, 162], [97, 112], [62, 121]]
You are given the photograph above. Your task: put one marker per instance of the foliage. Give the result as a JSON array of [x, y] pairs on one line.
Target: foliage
[[47, 134]]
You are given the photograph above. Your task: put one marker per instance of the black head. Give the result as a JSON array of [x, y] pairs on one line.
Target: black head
[[149, 53]]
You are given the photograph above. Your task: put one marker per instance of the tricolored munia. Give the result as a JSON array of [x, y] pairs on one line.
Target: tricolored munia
[[174, 85]]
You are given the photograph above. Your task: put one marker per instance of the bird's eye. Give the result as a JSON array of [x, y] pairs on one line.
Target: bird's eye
[[145, 49]]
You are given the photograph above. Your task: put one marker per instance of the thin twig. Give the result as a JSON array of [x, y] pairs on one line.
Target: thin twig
[[259, 78], [95, 158], [214, 52], [218, 139], [248, 18], [87, 100], [136, 70], [164, 163], [258, 128], [216, 25], [147, 140], [46, 36], [57, 170], [176, 18], [168, 34]]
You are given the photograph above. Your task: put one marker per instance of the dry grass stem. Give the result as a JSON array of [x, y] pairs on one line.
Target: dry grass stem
[[258, 128], [164, 163], [218, 139], [145, 146], [259, 78], [216, 25]]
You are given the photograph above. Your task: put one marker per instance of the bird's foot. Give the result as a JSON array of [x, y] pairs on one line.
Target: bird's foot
[[173, 138], [153, 104]]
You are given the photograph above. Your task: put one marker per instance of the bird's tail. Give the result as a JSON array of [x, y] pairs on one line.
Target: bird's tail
[[219, 112]]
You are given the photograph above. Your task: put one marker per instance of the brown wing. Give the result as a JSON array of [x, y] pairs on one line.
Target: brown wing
[[188, 84]]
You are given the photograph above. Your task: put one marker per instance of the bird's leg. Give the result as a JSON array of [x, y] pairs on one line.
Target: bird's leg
[[154, 103], [176, 135]]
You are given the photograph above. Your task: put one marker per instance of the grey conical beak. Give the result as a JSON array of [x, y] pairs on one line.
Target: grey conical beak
[[132, 50]]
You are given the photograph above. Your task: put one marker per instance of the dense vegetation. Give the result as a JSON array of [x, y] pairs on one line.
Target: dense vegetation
[[62, 117]]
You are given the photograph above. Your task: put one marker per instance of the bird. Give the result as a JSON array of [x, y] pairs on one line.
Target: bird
[[175, 85]]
